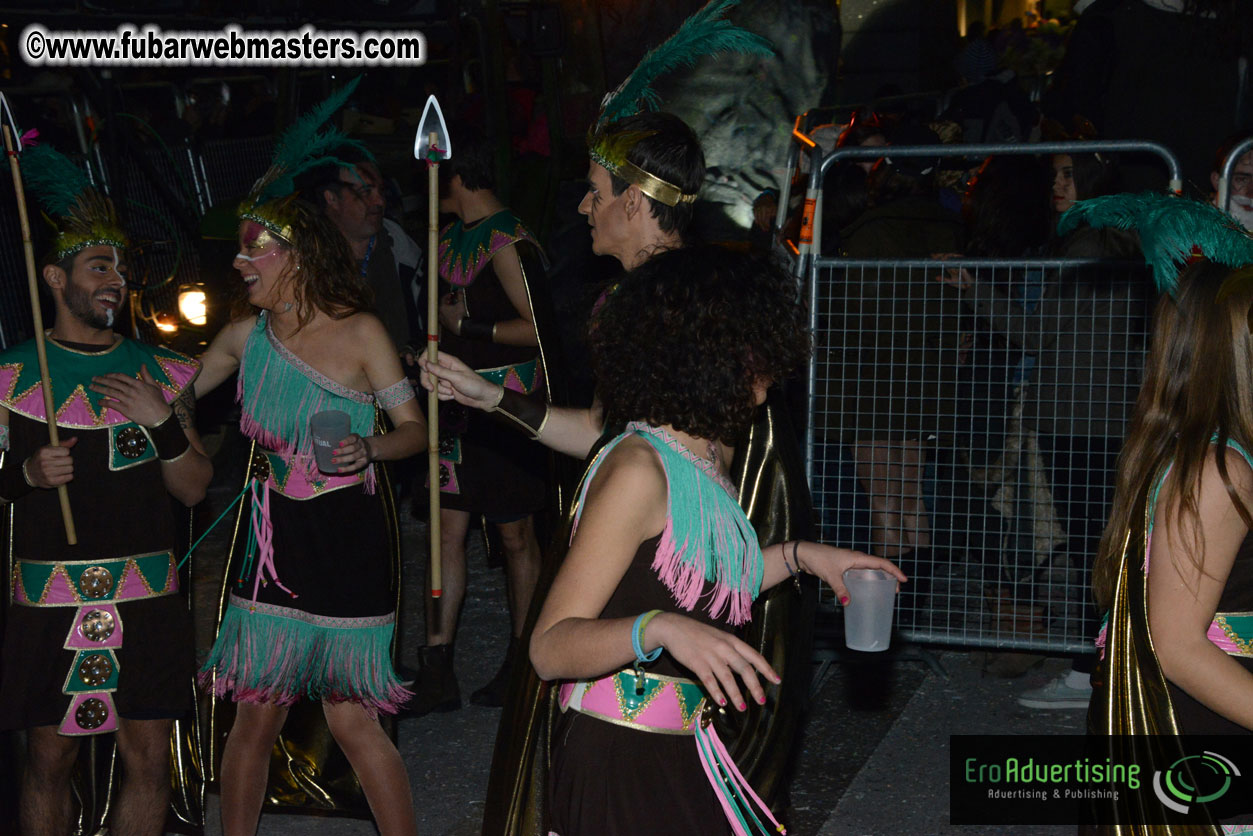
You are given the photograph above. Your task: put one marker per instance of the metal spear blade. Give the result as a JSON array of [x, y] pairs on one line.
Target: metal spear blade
[[432, 142]]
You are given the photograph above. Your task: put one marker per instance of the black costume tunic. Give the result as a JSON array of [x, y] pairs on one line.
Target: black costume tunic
[[121, 509], [481, 468]]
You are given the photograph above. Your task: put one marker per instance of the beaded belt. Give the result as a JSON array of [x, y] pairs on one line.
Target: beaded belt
[[664, 704], [95, 587], [672, 705], [1230, 632]]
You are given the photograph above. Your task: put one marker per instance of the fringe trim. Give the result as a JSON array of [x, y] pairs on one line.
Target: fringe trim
[[707, 538], [264, 655], [736, 796], [277, 395]]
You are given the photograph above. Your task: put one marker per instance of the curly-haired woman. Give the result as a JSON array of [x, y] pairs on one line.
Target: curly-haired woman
[[313, 617], [664, 565]]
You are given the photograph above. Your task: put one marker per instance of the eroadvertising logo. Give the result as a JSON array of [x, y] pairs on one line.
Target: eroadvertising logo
[[1073, 779]]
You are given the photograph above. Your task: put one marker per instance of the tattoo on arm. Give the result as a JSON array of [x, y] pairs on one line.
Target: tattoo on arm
[[184, 407]]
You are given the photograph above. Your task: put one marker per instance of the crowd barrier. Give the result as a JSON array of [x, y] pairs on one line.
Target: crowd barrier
[[964, 418], [1224, 176]]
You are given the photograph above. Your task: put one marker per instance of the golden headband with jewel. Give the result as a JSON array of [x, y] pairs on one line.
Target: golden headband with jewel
[[274, 215]]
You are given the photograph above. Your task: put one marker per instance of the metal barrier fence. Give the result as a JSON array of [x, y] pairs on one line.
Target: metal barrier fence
[[965, 418], [1224, 199]]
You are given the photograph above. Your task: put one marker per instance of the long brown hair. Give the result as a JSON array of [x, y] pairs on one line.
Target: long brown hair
[[328, 279], [1198, 386]]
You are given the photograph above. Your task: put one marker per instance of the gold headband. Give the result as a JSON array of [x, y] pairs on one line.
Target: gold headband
[[652, 185]]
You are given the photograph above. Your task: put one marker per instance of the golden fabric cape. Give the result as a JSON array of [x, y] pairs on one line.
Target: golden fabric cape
[[770, 475], [1131, 704]]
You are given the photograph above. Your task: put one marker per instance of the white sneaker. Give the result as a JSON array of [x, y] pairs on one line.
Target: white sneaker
[[1056, 694]]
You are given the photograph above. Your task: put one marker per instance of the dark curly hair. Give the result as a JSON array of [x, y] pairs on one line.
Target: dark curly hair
[[683, 338]]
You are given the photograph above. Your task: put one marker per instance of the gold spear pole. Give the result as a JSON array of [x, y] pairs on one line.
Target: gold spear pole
[[41, 349], [432, 145]]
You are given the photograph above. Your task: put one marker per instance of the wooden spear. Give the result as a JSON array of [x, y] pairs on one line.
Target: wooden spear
[[432, 145], [41, 349]]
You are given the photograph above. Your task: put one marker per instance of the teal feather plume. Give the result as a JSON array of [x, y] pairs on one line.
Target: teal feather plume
[[306, 144], [704, 33], [54, 177], [1169, 228]]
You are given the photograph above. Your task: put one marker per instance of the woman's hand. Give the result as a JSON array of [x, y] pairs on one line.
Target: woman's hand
[[452, 309], [830, 564], [715, 656], [457, 381], [958, 277], [352, 454]]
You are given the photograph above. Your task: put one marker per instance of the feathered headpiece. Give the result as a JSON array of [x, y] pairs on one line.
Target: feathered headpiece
[[82, 215], [1172, 230], [305, 145], [704, 33]]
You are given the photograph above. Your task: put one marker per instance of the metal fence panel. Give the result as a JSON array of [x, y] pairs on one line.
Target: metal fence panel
[[965, 419], [974, 443], [167, 254], [229, 167]]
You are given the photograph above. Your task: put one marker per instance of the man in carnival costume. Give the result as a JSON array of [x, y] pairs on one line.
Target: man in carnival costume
[[645, 175], [98, 639]]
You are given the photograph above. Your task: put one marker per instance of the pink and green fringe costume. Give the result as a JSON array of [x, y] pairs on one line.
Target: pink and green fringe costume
[[311, 614]]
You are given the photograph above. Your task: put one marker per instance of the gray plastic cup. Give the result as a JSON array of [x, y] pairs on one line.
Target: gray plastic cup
[[868, 614], [328, 428]]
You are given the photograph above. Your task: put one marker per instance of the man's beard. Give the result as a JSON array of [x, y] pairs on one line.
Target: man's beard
[[79, 304]]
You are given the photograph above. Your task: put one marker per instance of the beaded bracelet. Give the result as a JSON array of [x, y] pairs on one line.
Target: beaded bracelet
[[637, 644], [637, 637]]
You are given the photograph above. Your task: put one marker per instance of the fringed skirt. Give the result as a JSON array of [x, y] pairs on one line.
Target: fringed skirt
[[322, 629]]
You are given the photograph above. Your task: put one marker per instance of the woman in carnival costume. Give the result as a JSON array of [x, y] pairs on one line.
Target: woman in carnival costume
[[644, 168], [664, 564], [312, 613], [1175, 566]]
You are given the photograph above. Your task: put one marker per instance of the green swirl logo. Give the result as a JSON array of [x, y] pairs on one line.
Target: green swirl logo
[[1212, 773]]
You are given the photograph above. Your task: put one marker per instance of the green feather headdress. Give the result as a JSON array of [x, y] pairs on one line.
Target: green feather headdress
[[1172, 230], [303, 146], [82, 215], [704, 33]]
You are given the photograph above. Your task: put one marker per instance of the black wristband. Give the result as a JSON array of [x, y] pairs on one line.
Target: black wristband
[[522, 412], [13, 482], [168, 439], [477, 329]]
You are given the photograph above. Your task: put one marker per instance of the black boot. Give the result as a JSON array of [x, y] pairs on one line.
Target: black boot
[[435, 688], [493, 693]]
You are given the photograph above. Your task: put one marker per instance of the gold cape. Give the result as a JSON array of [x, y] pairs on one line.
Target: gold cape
[[1131, 704]]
